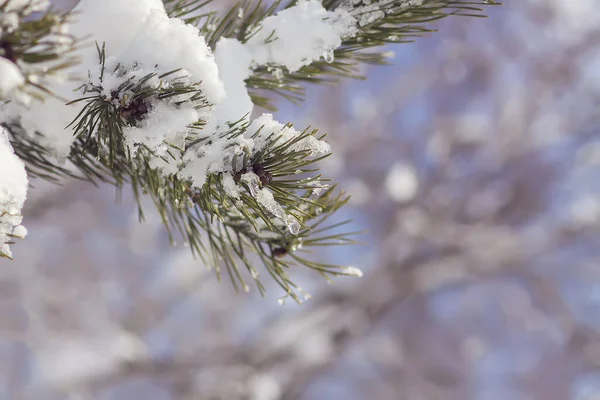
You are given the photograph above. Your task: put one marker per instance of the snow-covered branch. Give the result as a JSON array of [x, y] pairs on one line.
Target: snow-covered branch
[[162, 98]]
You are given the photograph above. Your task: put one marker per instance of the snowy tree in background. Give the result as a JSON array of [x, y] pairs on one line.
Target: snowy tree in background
[[165, 98]]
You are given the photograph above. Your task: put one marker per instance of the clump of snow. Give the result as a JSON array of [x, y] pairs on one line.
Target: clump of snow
[[10, 77], [266, 131], [231, 188], [209, 158], [267, 200], [165, 123], [352, 271], [49, 117], [369, 11], [293, 38], [113, 22], [233, 60], [272, 130], [13, 191], [171, 44], [160, 45], [9, 22], [300, 35]]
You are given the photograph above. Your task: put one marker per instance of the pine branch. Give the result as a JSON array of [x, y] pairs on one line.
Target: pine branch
[[379, 23], [260, 204], [230, 230], [106, 114], [38, 46]]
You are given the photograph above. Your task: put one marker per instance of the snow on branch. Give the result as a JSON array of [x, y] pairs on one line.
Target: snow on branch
[[162, 98], [34, 50], [13, 191]]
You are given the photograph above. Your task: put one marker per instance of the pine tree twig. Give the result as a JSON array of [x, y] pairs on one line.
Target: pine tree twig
[[399, 21], [37, 45], [228, 231], [106, 113], [264, 205]]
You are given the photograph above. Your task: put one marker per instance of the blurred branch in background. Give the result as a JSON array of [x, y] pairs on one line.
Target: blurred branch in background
[[474, 166]]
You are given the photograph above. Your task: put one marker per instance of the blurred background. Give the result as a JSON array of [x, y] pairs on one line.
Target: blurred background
[[474, 165]]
